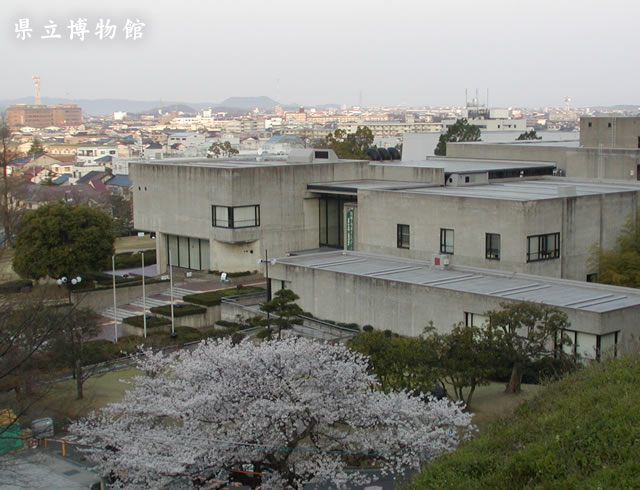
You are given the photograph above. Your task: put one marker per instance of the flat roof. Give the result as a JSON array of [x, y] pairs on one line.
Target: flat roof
[[596, 298], [353, 186], [464, 165], [568, 143], [269, 161], [530, 190]]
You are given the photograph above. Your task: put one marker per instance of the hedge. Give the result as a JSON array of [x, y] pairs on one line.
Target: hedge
[[180, 309], [152, 322], [213, 298], [16, 286]]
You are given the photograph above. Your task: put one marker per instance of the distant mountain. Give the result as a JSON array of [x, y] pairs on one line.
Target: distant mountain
[[103, 107], [262, 102], [171, 108]]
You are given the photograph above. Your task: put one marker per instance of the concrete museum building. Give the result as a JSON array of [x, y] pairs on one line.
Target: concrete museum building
[[510, 222]]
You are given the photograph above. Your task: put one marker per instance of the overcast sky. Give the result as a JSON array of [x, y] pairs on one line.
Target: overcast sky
[[528, 54]]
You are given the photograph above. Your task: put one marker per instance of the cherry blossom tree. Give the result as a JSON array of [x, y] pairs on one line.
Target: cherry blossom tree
[[293, 411]]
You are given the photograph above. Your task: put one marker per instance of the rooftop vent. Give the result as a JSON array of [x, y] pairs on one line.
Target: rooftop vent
[[312, 155]]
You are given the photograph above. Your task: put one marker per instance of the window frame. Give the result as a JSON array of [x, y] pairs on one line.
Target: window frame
[[444, 248], [490, 251], [231, 223], [545, 253], [400, 229]]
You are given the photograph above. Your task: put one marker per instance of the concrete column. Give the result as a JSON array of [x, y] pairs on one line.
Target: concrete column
[[161, 252]]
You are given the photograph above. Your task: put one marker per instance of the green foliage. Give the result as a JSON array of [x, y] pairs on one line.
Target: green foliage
[[217, 150], [350, 145], [461, 130], [36, 147], [179, 309], [213, 298], [529, 135], [16, 286], [62, 240], [129, 260], [462, 361], [621, 265], [265, 333], [399, 363], [284, 309], [104, 350], [520, 333], [152, 322], [579, 432]]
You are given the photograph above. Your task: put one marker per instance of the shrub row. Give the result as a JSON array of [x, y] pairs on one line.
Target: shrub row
[[180, 309], [16, 286], [234, 274], [104, 350], [213, 298], [152, 322]]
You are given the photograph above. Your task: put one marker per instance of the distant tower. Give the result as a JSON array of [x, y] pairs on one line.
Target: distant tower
[[36, 85], [567, 101]]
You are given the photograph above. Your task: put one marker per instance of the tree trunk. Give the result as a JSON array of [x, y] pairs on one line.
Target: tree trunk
[[467, 402], [79, 380], [513, 386]]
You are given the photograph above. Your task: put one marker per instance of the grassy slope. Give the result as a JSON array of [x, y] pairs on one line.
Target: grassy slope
[[580, 432]]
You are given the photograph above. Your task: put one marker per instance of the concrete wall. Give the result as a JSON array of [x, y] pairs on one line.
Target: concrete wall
[[604, 163], [407, 308], [176, 199], [610, 132], [581, 221]]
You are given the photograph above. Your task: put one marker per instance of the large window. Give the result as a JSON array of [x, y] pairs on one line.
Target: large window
[[492, 246], [403, 236], [446, 241], [589, 347], [235, 217], [543, 247], [475, 319], [186, 252]]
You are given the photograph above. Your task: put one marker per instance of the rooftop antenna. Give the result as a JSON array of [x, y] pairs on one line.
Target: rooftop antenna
[[36, 85]]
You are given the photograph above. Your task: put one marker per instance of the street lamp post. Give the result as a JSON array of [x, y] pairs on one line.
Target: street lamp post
[[173, 330], [144, 300], [115, 304], [69, 282], [266, 261]]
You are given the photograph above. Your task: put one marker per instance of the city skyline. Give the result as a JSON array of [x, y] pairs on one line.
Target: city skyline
[[411, 55]]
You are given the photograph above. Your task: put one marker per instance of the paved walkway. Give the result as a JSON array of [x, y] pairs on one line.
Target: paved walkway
[[37, 468]]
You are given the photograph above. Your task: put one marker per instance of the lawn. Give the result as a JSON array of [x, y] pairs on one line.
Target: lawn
[[490, 402], [59, 402], [134, 243]]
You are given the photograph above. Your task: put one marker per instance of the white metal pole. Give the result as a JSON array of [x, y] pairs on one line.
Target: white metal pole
[[115, 307], [144, 301], [171, 287]]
